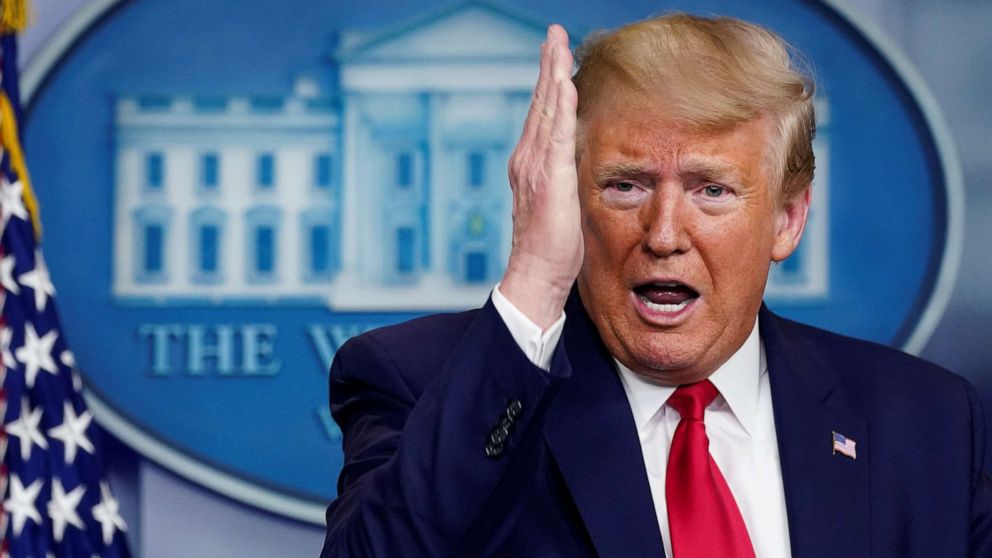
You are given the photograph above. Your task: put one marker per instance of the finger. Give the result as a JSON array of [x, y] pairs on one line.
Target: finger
[[546, 116], [561, 73], [562, 68], [558, 36], [546, 110], [544, 82], [562, 145]]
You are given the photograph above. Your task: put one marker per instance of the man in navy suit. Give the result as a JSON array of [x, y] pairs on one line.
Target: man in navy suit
[[670, 413]]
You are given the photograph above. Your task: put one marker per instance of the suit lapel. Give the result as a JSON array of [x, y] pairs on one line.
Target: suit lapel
[[593, 438], [827, 495]]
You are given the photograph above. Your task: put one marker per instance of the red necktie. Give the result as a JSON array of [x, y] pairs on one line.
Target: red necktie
[[702, 515]]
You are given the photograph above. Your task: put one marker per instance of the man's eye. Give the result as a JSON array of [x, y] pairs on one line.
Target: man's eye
[[714, 190], [624, 186]]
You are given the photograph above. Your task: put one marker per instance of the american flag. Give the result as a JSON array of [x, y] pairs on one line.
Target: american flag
[[56, 500], [845, 446]]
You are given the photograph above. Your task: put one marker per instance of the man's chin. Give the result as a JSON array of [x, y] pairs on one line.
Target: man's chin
[[670, 368]]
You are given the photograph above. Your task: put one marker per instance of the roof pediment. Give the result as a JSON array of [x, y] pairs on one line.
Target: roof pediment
[[474, 31]]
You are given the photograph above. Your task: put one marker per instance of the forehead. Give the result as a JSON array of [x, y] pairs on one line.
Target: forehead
[[629, 129]]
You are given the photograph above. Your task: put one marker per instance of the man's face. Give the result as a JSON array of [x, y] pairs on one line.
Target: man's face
[[680, 227]]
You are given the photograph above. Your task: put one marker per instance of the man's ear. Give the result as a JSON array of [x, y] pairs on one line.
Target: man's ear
[[790, 221]]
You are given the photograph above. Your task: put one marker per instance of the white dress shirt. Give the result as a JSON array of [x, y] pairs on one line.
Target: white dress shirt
[[739, 423]]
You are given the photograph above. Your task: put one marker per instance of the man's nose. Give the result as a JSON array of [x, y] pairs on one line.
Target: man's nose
[[664, 222]]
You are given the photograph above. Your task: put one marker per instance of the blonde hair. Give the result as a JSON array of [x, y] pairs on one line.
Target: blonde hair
[[712, 73]]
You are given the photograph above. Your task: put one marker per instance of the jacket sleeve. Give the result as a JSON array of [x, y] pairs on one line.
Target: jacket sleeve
[[419, 472]]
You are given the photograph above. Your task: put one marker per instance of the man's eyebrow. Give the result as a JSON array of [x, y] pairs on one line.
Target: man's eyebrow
[[711, 169], [612, 171]]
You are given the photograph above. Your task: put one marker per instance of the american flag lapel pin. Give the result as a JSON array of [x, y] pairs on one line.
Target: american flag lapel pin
[[844, 445]]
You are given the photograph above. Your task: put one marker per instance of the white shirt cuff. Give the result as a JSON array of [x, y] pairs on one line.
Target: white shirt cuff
[[538, 346]]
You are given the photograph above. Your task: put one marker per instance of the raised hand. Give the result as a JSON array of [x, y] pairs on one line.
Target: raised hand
[[547, 236]]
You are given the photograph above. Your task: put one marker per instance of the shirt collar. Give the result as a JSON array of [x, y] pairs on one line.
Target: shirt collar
[[738, 381]]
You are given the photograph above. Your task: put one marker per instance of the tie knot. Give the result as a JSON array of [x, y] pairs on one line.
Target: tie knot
[[691, 400]]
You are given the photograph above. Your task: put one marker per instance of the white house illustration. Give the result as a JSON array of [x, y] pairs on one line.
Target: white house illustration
[[387, 193], [221, 198]]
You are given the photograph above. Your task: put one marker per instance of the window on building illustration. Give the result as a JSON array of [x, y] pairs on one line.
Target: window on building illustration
[[262, 242], [320, 253], [322, 171], [209, 104], [206, 242], [404, 169], [265, 250], [404, 249], [475, 267], [476, 168], [151, 242], [209, 170], [154, 103], [266, 103], [154, 170], [209, 249], [266, 171], [154, 249], [476, 225], [320, 104], [319, 257]]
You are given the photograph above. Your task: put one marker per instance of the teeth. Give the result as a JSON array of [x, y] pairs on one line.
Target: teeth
[[665, 308]]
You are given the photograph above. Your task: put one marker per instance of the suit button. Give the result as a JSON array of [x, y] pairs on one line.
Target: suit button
[[498, 437], [494, 450], [514, 408]]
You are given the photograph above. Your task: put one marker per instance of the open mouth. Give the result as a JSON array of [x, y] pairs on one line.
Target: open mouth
[[666, 297]]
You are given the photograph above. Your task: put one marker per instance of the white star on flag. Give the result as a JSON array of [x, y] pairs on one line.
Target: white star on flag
[[26, 429], [62, 508], [106, 512], [7, 274], [20, 504], [7, 357], [39, 280], [12, 202], [36, 353], [72, 431]]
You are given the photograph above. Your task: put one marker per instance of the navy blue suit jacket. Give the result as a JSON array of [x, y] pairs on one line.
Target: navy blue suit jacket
[[417, 404]]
